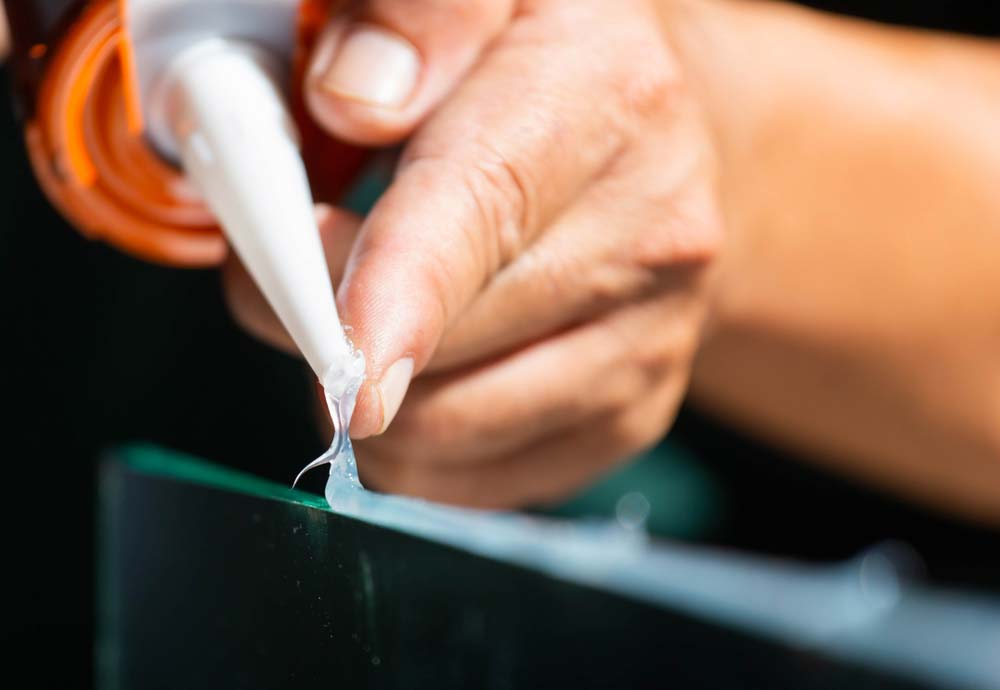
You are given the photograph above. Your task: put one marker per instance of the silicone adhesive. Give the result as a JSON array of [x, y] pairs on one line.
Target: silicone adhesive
[[341, 384]]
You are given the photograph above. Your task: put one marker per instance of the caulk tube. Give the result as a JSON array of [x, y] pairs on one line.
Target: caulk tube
[[219, 105]]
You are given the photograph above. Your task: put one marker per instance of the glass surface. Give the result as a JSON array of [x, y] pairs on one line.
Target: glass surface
[[682, 499], [209, 577], [155, 461]]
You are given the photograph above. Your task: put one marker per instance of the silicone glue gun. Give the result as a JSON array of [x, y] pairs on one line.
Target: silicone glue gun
[[153, 124]]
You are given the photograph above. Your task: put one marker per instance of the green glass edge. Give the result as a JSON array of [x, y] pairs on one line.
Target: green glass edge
[[169, 464], [685, 503]]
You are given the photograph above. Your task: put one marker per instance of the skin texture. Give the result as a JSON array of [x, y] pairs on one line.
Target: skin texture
[[551, 253], [541, 257]]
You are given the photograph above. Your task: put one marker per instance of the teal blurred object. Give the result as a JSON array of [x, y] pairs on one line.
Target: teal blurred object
[[667, 488], [369, 187]]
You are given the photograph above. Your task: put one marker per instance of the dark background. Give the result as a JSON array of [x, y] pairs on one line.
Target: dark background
[[100, 349]]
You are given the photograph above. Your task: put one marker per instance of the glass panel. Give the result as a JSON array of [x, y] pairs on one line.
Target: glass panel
[[209, 577]]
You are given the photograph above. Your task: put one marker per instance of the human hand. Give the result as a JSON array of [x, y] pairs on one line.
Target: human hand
[[540, 259]]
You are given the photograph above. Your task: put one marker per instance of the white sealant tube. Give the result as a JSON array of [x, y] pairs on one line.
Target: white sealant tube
[[223, 115]]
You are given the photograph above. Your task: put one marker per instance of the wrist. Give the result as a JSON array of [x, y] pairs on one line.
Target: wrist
[[717, 44], [713, 40]]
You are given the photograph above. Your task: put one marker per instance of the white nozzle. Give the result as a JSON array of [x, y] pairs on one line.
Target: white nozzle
[[219, 110]]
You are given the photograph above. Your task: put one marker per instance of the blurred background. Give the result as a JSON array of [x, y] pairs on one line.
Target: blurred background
[[100, 349]]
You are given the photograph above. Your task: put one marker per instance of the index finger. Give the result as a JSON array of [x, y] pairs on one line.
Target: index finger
[[514, 145]]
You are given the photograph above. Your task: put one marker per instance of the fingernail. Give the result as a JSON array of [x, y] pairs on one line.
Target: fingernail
[[373, 66], [392, 390]]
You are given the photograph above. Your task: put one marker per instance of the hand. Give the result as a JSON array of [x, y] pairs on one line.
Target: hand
[[540, 260]]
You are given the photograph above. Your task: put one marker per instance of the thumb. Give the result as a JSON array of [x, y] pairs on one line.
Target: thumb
[[378, 70]]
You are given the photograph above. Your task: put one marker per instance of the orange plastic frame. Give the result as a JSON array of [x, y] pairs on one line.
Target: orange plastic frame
[[90, 157]]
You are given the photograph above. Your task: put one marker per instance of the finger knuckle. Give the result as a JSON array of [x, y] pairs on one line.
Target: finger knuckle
[[638, 431], [502, 196], [492, 192], [624, 387], [555, 275], [646, 80], [613, 281], [649, 91], [693, 231]]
